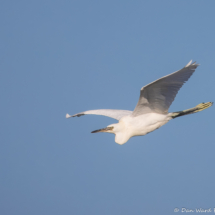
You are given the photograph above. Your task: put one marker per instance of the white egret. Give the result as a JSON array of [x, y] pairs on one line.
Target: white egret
[[151, 111]]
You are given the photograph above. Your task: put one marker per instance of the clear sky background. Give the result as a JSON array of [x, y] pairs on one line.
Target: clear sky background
[[71, 56]]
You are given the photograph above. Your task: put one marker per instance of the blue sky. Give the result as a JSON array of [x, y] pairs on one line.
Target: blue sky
[[72, 56]]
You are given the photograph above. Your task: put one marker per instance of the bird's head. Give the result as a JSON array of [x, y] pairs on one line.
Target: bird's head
[[113, 128], [121, 137]]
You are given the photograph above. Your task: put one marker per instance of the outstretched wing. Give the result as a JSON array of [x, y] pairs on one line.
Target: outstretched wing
[[157, 96], [116, 114]]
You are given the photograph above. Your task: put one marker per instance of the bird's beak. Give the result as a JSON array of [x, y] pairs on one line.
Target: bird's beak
[[103, 130]]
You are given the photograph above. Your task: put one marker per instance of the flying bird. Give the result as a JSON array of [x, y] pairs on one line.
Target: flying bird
[[151, 111]]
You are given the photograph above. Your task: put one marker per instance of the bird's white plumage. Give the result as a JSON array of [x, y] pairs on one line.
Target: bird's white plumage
[[189, 64], [151, 111], [157, 96], [68, 116], [130, 126], [115, 114]]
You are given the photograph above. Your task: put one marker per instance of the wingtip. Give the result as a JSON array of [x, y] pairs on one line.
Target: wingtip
[[68, 116], [189, 63]]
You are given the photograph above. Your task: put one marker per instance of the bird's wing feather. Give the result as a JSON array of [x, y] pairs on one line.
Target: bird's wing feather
[[116, 114], [159, 95]]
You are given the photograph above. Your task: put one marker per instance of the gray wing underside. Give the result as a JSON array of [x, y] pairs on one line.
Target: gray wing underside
[[157, 96], [115, 114]]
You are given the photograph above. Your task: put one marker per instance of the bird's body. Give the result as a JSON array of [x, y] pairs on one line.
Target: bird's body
[[130, 126], [151, 111]]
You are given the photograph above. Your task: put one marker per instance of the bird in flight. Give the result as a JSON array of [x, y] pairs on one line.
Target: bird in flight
[[151, 111]]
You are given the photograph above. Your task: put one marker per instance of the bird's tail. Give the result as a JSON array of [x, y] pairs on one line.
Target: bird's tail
[[196, 109]]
